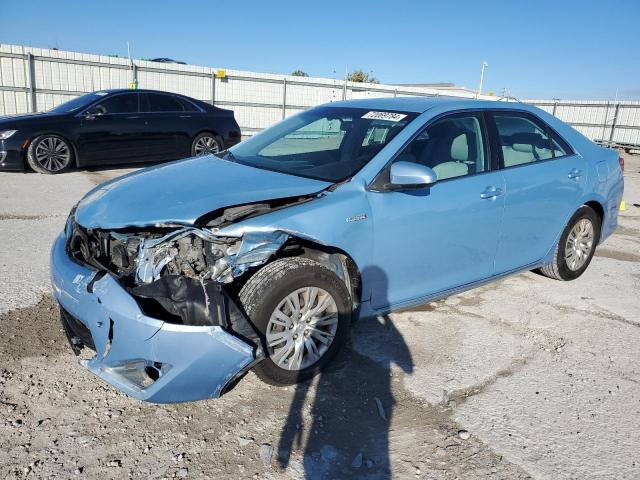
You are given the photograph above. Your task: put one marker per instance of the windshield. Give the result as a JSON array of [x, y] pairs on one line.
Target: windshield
[[325, 143], [78, 103]]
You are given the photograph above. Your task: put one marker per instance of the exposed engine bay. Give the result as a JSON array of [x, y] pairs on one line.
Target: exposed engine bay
[[178, 273]]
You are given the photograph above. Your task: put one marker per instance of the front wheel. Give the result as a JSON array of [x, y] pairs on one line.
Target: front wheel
[[303, 311], [50, 154], [576, 246]]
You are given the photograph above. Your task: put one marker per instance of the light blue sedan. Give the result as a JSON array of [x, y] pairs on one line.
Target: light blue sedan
[[184, 276]]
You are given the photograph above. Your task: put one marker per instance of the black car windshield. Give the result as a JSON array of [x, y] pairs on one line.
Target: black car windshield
[[324, 143], [78, 102]]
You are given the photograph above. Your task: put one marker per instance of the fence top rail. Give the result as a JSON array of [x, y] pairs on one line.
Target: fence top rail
[[67, 57], [576, 103]]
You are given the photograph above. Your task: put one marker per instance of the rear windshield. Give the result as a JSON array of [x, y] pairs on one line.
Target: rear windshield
[[325, 143]]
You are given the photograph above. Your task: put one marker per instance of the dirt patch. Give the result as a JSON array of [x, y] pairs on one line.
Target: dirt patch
[[32, 332], [617, 255], [26, 217], [627, 231], [356, 420]]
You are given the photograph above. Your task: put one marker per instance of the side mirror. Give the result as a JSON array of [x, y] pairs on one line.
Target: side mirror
[[405, 175]]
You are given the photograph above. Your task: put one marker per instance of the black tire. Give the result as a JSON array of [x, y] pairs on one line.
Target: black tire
[[216, 145], [60, 160], [558, 269], [269, 286]]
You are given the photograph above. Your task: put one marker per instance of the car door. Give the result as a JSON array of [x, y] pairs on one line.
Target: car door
[[544, 180], [112, 130], [170, 122], [432, 240]]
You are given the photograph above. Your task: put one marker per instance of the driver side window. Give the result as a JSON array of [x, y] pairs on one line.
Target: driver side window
[[121, 103], [453, 147]]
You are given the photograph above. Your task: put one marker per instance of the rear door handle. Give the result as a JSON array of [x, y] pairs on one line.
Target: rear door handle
[[491, 192], [574, 173]]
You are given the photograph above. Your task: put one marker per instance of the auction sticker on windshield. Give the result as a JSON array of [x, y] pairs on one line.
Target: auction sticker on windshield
[[391, 116]]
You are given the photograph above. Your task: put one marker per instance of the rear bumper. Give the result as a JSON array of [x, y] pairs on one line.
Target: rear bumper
[[144, 357]]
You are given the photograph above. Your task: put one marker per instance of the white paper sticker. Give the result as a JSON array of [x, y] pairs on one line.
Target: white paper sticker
[[391, 116]]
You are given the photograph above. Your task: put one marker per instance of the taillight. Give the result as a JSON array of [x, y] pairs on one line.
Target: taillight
[[621, 162]]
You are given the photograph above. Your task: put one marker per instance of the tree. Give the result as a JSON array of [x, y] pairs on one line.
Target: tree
[[360, 76], [299, 73]]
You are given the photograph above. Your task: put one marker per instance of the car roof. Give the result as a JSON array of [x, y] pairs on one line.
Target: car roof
[[422, 104], [120, 90]]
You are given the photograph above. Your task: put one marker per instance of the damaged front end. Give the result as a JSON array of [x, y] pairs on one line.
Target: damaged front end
[[155, 306]]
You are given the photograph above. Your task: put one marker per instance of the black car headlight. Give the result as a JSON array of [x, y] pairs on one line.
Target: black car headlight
[[4, 134]]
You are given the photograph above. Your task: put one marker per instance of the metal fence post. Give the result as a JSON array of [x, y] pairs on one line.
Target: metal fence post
[[395, 93], [615, 121], [555, 107], [284, 98], [604, 122], [213, 88], [31, 83], [134, 76]]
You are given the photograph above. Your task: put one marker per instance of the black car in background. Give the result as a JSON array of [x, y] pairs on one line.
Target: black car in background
[[112, 127]]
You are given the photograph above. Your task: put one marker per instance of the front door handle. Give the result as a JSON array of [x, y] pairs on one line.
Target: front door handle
[[491, 192], [574, 173]]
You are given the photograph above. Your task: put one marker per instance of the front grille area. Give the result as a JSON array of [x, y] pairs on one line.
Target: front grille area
[[78, 334]]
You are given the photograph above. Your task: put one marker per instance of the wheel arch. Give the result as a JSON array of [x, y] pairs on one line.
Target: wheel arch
[[333, 258], [206, 130], [65, 137], [596, 207]]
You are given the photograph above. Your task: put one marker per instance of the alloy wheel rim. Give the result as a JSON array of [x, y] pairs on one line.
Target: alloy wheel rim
[[52, 154], [205, 146], [302, 328], [579, 244]]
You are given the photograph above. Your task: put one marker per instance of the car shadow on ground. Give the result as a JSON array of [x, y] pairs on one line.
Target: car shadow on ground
[[341, 427]]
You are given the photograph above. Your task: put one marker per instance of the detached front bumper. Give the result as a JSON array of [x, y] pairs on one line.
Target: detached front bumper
[[144, 357]]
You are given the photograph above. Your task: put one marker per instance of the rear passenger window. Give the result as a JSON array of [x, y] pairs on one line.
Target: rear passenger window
[[524, 140], [187, 105], [164, 103]]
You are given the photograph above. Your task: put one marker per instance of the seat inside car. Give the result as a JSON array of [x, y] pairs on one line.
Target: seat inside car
[[450, 150], [521, 148]]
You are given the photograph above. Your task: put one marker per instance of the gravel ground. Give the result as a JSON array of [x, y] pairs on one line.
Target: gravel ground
[[526, 377]]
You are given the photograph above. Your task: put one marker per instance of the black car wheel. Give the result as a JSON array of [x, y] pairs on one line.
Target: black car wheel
[[205, 144], [303, 310], [576, 246], [50, 154]]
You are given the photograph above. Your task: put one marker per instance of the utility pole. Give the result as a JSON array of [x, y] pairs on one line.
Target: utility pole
[[482, 67]]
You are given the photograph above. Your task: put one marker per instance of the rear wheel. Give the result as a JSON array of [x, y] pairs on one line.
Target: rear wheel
[[303, 311], [205, 144], [50, 154], [576, 246]]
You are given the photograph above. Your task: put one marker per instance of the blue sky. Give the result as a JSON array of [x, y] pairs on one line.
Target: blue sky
[[543, 49]]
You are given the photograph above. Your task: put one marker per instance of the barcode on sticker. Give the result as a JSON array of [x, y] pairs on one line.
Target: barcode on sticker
[[391, 116]]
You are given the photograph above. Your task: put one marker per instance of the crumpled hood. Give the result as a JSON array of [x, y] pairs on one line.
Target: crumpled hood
[[180, 192]]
